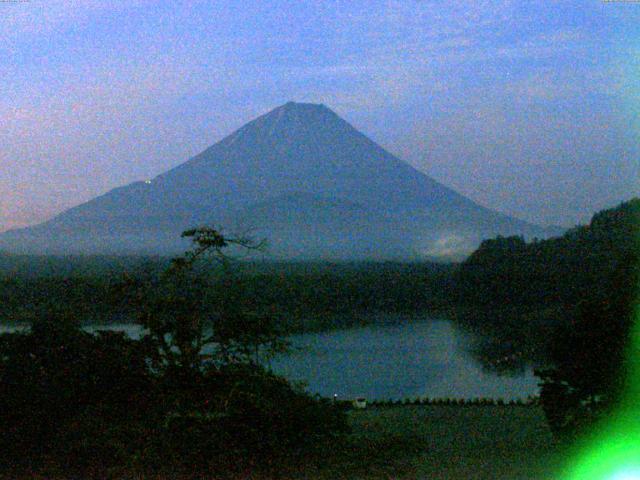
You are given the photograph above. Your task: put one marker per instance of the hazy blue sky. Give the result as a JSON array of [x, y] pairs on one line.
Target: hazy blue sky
[[527, 106]]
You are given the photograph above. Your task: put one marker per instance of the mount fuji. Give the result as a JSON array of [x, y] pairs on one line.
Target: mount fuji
[[299, 176]]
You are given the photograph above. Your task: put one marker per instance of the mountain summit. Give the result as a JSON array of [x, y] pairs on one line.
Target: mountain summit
[[299, 176]]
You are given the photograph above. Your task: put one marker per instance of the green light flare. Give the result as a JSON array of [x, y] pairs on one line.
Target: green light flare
[[633, 474], [611, 451]]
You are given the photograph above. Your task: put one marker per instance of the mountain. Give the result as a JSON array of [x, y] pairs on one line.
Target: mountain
[[299, 176]]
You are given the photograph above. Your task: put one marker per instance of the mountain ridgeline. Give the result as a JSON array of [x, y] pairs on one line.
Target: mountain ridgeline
[[299, 176]]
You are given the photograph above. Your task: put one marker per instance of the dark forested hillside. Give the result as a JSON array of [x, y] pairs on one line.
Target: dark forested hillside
[[520, 292], [563, 269]]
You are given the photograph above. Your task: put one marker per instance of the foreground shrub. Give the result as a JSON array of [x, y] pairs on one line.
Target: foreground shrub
[[75, 403], [189, 398], [247, 419], [592, 357], [62, 390]]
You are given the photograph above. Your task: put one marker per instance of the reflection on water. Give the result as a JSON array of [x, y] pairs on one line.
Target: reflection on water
[[397, 360], [417, 359]]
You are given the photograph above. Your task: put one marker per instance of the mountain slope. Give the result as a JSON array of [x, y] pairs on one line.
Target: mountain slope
[[343, 193]]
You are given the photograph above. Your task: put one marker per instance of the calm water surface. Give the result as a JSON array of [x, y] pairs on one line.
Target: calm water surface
[[408, 359], [395, 360]]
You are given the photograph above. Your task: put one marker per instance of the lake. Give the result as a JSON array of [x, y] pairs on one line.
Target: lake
[[420, 358], [396, 358]]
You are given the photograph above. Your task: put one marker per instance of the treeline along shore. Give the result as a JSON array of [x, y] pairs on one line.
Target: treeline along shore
[[307, 296], [511, 294]]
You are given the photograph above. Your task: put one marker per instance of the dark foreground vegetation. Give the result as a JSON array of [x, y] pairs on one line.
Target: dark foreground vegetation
[[189, 399]]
